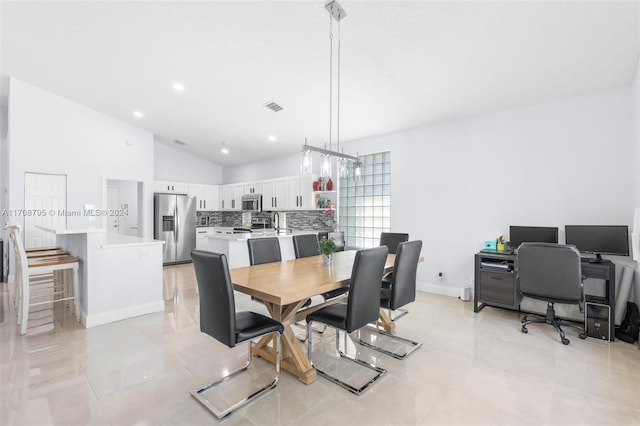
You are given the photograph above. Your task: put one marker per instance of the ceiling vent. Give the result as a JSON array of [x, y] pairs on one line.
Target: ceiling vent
[[179, 142], [274, 107]]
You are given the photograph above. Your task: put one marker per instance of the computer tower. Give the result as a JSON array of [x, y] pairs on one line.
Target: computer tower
[[597, 318]]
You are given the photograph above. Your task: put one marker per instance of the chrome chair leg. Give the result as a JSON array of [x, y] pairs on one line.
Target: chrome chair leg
[[414, 344], [199, 393], [356, 390], [402, 312]]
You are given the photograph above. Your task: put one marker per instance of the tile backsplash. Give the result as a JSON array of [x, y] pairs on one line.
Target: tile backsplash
[[316, 220]]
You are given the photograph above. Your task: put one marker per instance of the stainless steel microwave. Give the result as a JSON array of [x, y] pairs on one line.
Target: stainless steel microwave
[[252, 203]]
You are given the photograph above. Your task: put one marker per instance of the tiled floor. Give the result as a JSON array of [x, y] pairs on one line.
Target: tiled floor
[[472, 369]]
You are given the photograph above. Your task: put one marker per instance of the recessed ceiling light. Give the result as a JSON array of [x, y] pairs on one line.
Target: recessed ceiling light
[[272, 138], [224, 150], [178, 87], [138, 114]]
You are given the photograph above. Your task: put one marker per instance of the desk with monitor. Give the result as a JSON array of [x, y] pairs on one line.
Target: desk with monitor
[[496, 285], [495, 272]]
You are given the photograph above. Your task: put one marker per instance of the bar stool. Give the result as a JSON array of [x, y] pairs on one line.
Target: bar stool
[[35, 281]]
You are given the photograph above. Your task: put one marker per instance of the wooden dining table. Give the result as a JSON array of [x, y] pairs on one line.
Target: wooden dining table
[[284, 287]]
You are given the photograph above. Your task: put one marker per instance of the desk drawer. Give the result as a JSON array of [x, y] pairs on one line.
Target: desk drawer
[[498, 288]]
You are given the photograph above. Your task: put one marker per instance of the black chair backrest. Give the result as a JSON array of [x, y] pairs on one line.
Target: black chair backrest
[[306, 245], [405, 268], [363, 303], [217, 305], [550, 272], [264, 250], [392, 239]]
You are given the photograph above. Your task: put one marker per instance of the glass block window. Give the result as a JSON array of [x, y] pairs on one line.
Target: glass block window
[[365, 206]]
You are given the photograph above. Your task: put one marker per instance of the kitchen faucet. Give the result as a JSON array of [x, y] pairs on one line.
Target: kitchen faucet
[[276, 221]]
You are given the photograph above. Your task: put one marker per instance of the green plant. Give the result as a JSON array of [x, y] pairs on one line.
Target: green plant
[[327, 245]]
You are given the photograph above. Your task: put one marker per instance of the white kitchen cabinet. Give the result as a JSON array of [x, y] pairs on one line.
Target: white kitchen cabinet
[[301, 195], [253, 188], [207, 196], [170, 187], [275, 194], [232, 197]]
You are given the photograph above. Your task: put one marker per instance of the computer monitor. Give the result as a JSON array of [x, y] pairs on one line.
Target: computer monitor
[[599, 239], [532, 234]]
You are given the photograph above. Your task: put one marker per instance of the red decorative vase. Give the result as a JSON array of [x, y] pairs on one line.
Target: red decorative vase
[[329, 185], [316, 185]]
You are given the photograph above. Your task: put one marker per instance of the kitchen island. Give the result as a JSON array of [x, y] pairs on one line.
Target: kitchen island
[[234, 246], [120, 275]]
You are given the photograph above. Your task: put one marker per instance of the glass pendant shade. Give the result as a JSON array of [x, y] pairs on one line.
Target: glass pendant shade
[[357, 171], [306, 162], [342, 165], [325, 168]]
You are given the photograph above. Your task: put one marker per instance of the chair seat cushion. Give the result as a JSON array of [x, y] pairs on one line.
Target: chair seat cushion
[[251, 324], [335, 293], [333, 315]]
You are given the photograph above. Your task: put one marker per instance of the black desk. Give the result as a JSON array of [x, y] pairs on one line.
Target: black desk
[[495, 283]]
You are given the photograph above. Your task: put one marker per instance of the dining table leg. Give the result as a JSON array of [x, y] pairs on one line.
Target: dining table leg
[[294, 359], [385, 322]]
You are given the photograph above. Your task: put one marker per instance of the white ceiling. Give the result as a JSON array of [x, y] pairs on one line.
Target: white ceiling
[[403, 64]]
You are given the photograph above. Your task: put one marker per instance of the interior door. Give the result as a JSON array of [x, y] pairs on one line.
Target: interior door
[[113, 205], [45, 194]]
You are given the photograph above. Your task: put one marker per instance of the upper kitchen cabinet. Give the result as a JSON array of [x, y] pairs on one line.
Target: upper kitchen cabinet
[[253, 188], [232, 197], [301, 195], [275, 194], [207, 195], [170, 187]]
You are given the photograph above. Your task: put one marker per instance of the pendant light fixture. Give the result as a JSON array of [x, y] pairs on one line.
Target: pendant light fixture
[[336, 13]]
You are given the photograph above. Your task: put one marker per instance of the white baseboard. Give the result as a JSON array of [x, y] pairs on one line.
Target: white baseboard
[[439, 289], [101, 318]]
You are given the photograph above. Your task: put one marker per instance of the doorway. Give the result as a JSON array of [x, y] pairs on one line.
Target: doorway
[[45, 204], [124, 203], [113, 206]]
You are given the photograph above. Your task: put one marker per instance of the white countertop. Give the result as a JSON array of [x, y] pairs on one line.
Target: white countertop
[[247, 235], [117, 240], [63, 231]]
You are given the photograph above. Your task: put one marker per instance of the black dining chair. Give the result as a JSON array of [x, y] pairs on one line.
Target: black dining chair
[[361, 308], [402, 291], [391, 240], [264, 250], [307, 245], [219, 320]]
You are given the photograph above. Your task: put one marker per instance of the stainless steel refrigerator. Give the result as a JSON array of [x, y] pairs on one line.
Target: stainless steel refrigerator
[[175, 224]]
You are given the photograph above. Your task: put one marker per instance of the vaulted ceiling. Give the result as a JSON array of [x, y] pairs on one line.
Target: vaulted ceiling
[[403, 63]]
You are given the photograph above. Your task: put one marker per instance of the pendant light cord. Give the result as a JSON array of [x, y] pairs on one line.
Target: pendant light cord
[[330, 79]]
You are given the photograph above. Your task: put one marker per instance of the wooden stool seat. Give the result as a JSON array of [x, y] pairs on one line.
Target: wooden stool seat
[[35, 262], [46, 252]]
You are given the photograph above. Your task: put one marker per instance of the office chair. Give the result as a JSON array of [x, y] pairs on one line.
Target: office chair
[[219, 320], [401, 292], [361, 308], [550, 272], [391, 240]]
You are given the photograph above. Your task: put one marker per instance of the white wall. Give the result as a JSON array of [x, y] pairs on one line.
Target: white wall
[[455, 185], [635, 114], [273, 168], [4, 121], [50, 134], [176, 166]]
